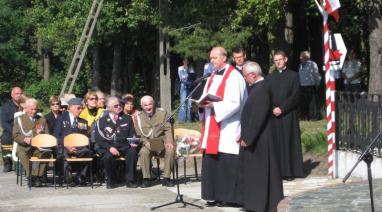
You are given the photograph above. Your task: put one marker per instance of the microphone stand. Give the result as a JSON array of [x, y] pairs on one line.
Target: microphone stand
[[367, 157], [179, 196]]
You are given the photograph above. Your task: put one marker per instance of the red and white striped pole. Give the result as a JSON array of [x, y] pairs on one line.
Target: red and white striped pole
[[330, 98]]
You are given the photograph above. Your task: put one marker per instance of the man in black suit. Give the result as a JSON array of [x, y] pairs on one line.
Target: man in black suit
[[111, 133], [260, 180], [67, 123]]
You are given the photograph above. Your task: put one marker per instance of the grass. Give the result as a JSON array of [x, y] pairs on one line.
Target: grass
[[313, 136]]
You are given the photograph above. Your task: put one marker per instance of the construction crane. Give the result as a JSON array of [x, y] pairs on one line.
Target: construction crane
[[82, 47]]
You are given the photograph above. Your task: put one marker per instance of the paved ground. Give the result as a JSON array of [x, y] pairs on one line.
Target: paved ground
[[313, 193]]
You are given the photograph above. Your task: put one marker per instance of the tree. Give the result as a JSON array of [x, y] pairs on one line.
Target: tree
[[375, 42]]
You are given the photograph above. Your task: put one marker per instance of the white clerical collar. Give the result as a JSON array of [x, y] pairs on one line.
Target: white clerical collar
[[281, 70]]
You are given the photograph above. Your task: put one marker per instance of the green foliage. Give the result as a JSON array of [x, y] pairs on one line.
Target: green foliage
[[137, 87], [44, 89], [197, 44]]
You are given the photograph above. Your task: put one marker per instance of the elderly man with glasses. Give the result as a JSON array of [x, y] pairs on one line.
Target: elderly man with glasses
[[111, 134]]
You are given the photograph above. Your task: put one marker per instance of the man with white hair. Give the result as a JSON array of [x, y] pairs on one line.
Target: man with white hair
[[221, 129], [111, 134], [25, 128], [260, 182], [156, 138]]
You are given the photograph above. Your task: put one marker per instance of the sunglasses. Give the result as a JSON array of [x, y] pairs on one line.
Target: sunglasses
[[79, 108], [93, 98], [55, 104]]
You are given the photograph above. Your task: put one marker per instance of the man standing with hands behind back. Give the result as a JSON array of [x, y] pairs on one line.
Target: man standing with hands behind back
[[221, 130], [285, 91]]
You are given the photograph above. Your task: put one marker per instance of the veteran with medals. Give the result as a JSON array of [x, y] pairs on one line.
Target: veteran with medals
[[112, 133]]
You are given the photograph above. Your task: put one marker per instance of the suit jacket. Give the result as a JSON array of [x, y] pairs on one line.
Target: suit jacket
[[24, 124], [64, 128], [148, 128]]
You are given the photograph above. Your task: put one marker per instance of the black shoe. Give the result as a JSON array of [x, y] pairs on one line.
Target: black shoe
[[7, 168], [131, 184], [80, 180], [212, 203], [288, 178], [145, 183], [36, 182], [228, 204], [167, 182]]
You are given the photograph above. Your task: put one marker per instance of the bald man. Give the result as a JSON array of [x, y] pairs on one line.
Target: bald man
[[221, 129], [148, 127], [7, 117]]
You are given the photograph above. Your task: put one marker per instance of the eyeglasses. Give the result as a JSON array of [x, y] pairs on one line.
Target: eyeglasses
[[79, 108], [93, 98], [55, 104], [117, 106]]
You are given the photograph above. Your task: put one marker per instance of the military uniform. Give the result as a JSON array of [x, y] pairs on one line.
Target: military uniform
[[109, 133], [26, 126], [148, 127]]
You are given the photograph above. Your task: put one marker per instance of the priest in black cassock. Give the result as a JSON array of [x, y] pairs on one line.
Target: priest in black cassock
[[260, 180], [285, 91]]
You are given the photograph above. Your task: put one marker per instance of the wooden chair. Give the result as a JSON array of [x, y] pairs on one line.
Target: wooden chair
[[43, 141], [78, 140], [180, 133]]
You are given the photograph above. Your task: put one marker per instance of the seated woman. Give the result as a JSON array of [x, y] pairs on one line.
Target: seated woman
[[129, 108], [91, 112]]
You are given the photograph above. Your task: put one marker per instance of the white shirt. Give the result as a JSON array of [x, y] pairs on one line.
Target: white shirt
[[227, 112]]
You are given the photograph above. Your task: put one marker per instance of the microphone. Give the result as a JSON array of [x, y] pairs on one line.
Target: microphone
[[200, 79]]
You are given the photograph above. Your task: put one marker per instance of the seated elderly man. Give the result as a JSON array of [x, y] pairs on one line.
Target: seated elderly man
[[111, 133], [67, 123], [151, 127], [25, 128]]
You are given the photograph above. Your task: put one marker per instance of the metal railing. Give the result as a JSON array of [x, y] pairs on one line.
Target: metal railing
[[358, 121]]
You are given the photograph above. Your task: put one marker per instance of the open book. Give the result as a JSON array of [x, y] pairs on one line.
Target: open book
[[207, 97]]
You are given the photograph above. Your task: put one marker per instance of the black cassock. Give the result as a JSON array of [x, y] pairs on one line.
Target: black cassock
[[285, 92], [260, 180]]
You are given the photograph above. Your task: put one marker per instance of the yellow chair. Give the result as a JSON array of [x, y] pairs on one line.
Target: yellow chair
[[78, 140], [180, 133], [43, 141]]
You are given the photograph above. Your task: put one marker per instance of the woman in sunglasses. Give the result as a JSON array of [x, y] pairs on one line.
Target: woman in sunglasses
[[55, 111], [91, 112]]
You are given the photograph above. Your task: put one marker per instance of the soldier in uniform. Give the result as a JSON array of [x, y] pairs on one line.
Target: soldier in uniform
[[149, 126], [67, 123], [25, 127], [111, 133]]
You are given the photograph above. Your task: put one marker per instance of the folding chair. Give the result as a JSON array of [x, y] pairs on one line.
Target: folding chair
[[42, 141], [78, 140]]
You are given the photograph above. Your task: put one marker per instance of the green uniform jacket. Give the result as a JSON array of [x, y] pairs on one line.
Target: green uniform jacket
[[151, 128], [27, 125]]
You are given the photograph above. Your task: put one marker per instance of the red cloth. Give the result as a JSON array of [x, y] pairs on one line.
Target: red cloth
[[214, 127]]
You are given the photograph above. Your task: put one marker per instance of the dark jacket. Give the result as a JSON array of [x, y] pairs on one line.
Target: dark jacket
[[7, 118], [109, 134], [64, 128]]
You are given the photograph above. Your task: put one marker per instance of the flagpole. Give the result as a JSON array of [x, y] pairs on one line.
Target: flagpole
[[330, 95]]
